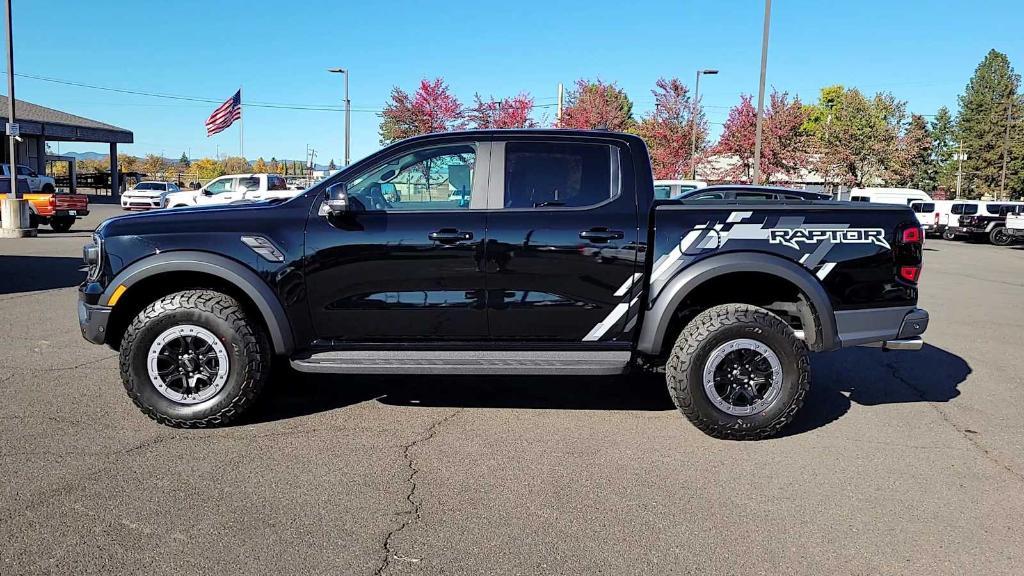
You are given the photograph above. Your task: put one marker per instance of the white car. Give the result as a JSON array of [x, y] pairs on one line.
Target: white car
[[36, 182], [147, 195], [1015, 222], [669, 189], [234, 188]]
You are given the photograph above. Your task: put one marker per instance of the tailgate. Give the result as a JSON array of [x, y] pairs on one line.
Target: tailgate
[[72, 201]]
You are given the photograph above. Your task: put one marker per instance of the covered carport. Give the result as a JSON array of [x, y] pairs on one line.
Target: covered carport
[[40, 125]]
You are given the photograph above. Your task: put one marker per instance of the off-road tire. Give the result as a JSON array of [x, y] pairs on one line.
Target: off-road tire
[[947, 234], [246, 344], [999, 237], [62, 223], [710, 329]]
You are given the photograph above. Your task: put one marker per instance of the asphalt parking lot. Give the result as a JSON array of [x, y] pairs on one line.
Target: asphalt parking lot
[[899, 463]]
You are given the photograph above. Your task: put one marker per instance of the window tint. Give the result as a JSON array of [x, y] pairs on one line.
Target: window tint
[[543, 174], [662, 192], [438, 178], [994, 208], [276, 183], [25, 171], [219, 186], [755, 196], [922, 207], [969, 209], [860, 199], [708, 196]]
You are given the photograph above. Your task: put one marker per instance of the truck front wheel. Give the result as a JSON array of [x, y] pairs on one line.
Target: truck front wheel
[[194, 359], [738, 372], [999, 237]]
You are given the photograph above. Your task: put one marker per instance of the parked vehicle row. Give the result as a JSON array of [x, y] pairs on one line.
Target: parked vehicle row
[[229, 189]]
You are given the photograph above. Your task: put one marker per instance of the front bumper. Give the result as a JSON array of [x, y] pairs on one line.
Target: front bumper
[[92, 319], [898, 328], [141, 202]]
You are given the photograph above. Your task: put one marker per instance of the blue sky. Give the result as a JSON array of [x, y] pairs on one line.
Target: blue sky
[[922, 51]]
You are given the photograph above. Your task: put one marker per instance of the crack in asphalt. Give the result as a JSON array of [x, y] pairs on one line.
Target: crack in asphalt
[[988, 454], [82, 365], [412, 514]]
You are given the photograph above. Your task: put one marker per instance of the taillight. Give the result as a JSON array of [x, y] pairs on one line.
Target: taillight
[[936, 218], [912, 235], [52, 201], [910, 273]]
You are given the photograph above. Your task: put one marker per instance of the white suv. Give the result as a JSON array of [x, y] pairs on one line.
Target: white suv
[[233, 188]]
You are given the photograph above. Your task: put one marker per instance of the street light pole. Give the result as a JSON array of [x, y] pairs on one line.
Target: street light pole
[[348, 111], [14, 210], [693, 121], [760, 92]]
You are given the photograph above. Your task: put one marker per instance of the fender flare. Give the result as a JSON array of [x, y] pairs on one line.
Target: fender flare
[[659, 315], [234, 272]]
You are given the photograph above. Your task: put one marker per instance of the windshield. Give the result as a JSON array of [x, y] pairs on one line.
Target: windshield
[[151, 186]]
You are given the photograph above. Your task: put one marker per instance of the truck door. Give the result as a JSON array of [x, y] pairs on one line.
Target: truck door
[[403, 267], [562, 243]]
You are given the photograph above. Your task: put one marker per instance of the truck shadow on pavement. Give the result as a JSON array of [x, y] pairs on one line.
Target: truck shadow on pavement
[[32, 273], [865, 376]]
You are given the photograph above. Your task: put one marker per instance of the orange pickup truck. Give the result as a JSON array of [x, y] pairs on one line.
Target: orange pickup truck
[[57, 209]]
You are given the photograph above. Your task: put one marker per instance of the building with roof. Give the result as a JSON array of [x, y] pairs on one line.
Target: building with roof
[[39, 125]]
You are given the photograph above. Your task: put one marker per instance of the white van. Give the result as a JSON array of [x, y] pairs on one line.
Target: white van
[[933, 215], [903, 196], [668, 189]]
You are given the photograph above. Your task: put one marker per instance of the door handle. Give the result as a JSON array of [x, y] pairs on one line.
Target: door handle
[[599, 235], [450, 236]]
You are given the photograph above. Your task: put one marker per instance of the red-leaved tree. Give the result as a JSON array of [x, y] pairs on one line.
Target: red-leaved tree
[[594, 104], [783, 146], [505, 113], [433, 108], [669, 127]]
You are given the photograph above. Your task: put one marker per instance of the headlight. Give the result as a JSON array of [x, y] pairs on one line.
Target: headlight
[[92, 255]]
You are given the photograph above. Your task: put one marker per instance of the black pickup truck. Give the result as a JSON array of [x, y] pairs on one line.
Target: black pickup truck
[[502, 252]]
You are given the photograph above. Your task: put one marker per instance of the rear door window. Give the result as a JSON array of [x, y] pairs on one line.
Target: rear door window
[[557, 174], [922, 207]]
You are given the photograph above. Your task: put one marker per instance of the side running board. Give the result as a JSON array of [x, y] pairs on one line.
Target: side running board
[[465, 362]]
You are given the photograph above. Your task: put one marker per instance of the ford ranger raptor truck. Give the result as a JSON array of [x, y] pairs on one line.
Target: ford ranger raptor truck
[[530, 252]]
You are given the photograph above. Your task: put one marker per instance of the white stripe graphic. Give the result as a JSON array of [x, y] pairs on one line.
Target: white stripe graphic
[[628, 284], [825, 269], [604, 325], [738, 217], [804, 258]]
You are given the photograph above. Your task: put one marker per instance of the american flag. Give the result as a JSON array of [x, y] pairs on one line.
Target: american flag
[[225, 115]]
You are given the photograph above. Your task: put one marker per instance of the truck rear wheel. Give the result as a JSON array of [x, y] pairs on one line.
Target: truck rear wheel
[[62, 223], [738, 372], [194, 359]]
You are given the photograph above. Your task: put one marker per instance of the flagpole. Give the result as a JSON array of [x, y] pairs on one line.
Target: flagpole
[[241, 126]]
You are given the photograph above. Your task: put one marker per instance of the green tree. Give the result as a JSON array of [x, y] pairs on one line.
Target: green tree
[[982, 124], [859, 144], [332, 166], [944, 147], [184, 162]]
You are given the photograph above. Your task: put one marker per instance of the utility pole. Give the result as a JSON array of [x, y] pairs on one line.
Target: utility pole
[[561, 96], [348, 110], [960, 169], [1006, 145], [693, 121], [14, 209], [760, 92]]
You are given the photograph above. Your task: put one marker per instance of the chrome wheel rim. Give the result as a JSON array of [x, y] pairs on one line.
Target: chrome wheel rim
[[743, 377], [187, 364]]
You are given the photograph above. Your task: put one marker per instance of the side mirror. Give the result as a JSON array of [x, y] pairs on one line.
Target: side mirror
[[336, 201], [207, 193]]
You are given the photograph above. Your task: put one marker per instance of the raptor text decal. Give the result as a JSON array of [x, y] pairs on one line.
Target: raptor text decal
[[793, 237]]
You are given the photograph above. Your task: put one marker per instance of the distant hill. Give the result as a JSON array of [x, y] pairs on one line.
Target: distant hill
[[85, 155]]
